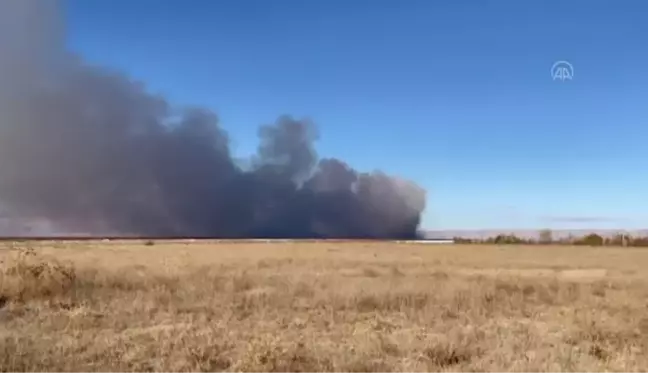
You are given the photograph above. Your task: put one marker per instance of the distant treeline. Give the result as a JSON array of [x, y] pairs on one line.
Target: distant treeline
[[545, 237]]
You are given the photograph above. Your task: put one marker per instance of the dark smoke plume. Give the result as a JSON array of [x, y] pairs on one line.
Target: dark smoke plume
[[90, 151]]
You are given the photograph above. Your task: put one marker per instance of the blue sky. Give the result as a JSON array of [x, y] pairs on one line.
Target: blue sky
[[455, 95]]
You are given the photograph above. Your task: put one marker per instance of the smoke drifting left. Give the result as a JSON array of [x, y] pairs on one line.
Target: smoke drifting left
[[89, 150]]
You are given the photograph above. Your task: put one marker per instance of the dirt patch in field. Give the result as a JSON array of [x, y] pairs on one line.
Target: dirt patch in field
[[584, 274], [571, 274]]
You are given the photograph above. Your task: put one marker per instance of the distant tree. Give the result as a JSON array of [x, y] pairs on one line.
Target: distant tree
[[638, 241], [617, 240], [508, 239], [592, 239], [500, 239], [545, 236]]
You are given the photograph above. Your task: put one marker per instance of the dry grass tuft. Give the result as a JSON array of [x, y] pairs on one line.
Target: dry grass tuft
[[25, 276], [321, 307]]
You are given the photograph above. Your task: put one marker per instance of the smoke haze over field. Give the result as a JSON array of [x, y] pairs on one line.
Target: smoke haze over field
[[90, 151]]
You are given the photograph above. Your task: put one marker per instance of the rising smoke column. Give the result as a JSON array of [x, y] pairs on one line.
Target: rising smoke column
[[89, 150]]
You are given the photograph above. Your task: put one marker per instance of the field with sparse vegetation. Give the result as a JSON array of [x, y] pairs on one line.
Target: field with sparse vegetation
[[321, 306]]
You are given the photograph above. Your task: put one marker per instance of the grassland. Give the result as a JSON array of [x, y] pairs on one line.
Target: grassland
[[205, 306]]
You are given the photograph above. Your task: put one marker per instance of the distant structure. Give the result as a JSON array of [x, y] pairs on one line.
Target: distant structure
[[431, 241]]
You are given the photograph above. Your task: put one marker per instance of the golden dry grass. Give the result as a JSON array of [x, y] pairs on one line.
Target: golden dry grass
[[205, 306]]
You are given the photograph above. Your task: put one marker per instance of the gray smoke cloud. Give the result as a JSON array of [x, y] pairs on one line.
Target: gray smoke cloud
[[90, 150]]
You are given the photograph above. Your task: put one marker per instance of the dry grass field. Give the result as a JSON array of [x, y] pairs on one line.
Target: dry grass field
[[205, 306]]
